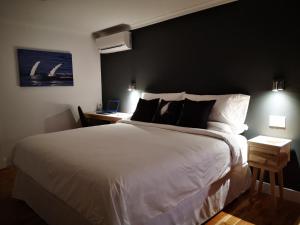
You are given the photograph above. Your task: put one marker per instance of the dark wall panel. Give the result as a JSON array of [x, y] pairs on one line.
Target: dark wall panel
[[238, 47]]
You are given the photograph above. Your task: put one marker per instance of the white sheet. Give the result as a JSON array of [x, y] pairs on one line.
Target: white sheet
[[126, 173]]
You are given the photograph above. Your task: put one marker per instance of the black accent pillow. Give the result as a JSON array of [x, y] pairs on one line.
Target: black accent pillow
[[145, 110], [168, 112], [195, 113]]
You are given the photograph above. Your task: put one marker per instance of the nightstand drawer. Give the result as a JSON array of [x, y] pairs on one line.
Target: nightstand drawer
[[268, 151], [266, 159], [271, 153]]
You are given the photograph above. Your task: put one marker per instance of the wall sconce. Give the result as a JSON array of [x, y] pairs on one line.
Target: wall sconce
[[278, 85], [132, 86]]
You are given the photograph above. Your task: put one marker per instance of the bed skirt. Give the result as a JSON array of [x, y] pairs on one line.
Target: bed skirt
[[56, 212]]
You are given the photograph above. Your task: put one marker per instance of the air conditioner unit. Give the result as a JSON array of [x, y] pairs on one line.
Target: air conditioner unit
[[114, 43]]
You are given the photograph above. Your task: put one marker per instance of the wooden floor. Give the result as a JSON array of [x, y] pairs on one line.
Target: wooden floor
[[258, 211], [240, 212]]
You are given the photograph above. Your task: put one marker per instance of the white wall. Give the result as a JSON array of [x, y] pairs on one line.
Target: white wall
[[25, 111]]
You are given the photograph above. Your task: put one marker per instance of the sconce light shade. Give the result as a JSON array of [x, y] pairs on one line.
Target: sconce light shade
[[132, 86], [278, 85]]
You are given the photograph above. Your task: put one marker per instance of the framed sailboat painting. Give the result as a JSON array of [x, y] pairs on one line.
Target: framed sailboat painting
[[45, 68]]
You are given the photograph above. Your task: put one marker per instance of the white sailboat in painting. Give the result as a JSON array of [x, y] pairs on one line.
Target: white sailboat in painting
[[34, 68], [53, 71]]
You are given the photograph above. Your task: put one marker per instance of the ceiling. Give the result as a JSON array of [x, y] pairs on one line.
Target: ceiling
[[87, 16]]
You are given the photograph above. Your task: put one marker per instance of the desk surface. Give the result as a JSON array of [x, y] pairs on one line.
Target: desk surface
[[113, 117]]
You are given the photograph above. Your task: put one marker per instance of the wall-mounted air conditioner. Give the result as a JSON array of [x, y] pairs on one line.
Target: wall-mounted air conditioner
[[114, 43]]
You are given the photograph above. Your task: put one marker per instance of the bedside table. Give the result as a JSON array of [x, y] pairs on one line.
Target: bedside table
[[111, 118], [271, 154]]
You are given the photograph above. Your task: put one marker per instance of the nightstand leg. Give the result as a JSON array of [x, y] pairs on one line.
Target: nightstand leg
[[261, 177], [280, 180], [272, 187], [254, 175]]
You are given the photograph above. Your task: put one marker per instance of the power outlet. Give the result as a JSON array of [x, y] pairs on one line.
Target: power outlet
[[277, 121]]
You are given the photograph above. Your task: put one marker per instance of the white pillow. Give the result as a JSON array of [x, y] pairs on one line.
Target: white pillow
[[240, 129], [231, 109], [165, 96], [218, 126], [226, 128]]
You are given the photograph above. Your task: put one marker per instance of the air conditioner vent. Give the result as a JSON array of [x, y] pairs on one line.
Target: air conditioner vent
[[114, 43]]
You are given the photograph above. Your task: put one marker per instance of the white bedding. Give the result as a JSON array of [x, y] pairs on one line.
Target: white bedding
[[128, 173]]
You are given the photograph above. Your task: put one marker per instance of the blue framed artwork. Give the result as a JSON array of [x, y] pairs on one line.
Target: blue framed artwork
[[45, 68]]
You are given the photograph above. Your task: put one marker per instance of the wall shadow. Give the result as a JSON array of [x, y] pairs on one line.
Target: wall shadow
[[62, 121]]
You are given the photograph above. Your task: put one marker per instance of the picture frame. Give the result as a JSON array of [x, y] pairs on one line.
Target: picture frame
[[44, 68]]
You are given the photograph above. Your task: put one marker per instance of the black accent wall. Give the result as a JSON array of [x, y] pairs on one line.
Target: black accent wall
[[234, 48]]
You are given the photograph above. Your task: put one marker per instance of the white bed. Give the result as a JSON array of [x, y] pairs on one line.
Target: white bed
[[130, 173]]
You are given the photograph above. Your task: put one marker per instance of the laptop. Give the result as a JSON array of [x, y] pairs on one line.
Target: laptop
[[112, 107]]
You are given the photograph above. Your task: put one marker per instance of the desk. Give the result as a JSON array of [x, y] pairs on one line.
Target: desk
[[112, 118]]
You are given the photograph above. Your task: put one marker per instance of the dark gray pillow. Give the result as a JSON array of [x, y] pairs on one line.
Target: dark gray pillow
[[195, 113], [145, 110], [168, 112]]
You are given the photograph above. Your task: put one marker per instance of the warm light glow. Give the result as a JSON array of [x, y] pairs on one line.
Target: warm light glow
[[132, 86], [133, 99], [282, 103], [277, 102]]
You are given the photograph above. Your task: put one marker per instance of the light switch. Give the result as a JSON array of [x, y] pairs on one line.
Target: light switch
[[277, 121]]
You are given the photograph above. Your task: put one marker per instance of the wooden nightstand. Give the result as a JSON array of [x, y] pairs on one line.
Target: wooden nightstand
[[271, 154], [112, 118]]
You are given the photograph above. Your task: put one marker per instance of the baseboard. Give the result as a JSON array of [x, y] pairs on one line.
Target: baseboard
[[288, 194]]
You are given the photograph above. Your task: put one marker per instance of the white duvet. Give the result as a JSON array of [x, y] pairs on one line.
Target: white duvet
[[128, 173]]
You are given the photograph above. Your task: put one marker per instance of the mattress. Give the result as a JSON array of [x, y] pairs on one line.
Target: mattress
[[130, 172]]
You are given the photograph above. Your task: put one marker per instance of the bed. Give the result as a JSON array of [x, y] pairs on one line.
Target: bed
[[131, 173], [140, 173]]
